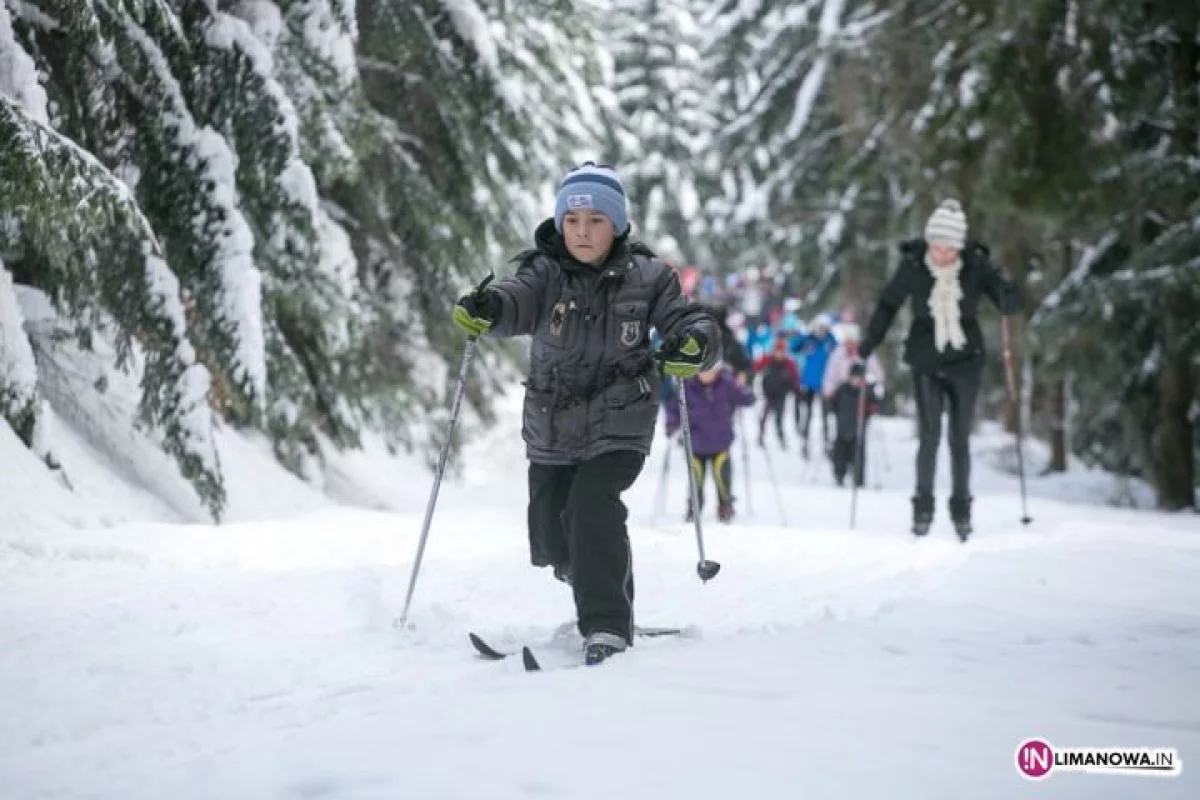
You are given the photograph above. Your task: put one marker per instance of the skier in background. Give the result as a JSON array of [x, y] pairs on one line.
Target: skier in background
[[844, 356], [943, 277], [847, 447], [814, 347], [589, 296], [759, 340], [780, 380], [713, 397]]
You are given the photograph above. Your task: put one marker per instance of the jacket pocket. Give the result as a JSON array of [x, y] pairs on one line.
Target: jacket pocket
[[630, 409], [537, 420]]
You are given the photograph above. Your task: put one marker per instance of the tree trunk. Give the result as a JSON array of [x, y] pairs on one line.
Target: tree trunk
[[1056, 392], [1174, 467], [1057, 401]]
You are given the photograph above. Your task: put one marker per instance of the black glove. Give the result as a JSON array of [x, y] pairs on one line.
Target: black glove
[[476, 311], [682, 354]]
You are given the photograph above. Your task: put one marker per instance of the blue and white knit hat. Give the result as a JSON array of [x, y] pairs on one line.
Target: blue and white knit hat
[[595, 187]]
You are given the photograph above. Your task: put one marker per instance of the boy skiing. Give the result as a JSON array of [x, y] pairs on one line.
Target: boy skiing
[[589, 295], [847, 448], [713, 397]]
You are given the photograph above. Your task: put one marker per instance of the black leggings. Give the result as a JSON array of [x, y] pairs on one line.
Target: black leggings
[[845, 455], [937, 393], [808, 398], [774, 407], [722, 470]]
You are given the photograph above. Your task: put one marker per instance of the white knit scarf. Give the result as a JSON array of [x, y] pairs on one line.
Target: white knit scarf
[[943, 305]]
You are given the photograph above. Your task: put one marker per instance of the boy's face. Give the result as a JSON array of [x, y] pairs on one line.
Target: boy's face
[[710, 375], [589, 236], [856, 381]]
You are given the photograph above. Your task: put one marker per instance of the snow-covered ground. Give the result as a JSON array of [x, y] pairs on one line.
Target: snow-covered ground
[[259, 660]]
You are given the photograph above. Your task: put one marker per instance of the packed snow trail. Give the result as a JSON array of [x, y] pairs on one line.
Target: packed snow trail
[[259, 660]]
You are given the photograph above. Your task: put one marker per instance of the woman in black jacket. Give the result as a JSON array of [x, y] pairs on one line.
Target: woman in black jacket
[[943, 276]]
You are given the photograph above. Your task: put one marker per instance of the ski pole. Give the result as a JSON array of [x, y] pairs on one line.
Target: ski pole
[[1010, 380], [464, 369], [660, 497], [745, 460], [775, 484], [856, 462], [883, 450], [707, 570]]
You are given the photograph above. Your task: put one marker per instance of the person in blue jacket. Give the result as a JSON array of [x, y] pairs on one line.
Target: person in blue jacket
[[760, 340], [814, 347]]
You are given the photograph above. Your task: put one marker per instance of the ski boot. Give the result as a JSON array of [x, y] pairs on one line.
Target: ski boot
[[725, 513], [922, 515], [960, 515], [598, 647]]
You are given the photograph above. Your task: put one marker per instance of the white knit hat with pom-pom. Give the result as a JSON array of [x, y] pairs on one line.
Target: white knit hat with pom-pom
[[947, 225]]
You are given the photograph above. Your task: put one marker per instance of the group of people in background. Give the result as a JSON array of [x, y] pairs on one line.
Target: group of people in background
[[828, 369], [815, 371]]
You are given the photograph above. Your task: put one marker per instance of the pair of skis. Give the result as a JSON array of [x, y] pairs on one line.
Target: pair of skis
[[492, 654], [530, 661]]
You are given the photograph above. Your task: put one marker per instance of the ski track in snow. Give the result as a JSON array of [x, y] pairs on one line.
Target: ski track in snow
[[260, 660]]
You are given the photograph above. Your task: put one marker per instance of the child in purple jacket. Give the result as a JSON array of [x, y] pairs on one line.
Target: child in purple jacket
[[713, 397]]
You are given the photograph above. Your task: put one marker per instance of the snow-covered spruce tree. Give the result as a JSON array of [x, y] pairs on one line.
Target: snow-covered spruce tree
[[474, 110], [1135, 393], [184, 177], [801, 190], [665, 122], [18, 370], [74, 231], [1041, 112], [233, 87]]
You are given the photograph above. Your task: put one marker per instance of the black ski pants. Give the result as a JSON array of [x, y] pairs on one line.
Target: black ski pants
[[577, 518], [808, 398], [773, 407], [953, 394], [845, 455]]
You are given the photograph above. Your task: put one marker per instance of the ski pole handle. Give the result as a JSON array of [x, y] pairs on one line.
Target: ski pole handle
[[479, 287]]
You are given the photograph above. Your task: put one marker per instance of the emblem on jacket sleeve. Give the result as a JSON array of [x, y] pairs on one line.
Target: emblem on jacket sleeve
[[631, 332]]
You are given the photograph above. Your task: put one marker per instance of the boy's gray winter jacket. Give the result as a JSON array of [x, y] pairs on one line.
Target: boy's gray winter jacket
[[593, 385]]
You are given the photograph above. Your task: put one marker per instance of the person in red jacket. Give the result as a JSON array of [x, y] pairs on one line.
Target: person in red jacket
[[780, 380]]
